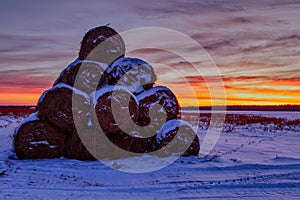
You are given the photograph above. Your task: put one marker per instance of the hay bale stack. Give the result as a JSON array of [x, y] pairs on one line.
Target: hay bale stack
[[37, 139], [158, 95], [55, 106], [176, 137], [123, 100], [102, 44], [132, 114], [134, 74], [86, 73]]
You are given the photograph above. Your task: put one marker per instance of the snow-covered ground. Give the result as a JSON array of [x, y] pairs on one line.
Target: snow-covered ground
[[279, 114], [249, 162]]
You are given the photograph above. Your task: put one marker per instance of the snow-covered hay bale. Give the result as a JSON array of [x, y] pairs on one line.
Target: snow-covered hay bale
[[102, 44], [132, 73], [88, 77], [37, 139], [55, 106], [124, 101], [158, 95], [175, 137]]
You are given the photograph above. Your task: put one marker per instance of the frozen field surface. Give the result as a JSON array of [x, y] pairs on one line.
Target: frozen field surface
[[249, 162]]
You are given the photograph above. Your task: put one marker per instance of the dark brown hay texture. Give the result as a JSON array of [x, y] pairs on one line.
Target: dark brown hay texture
[[55, 106], [131, 143], [182, 134], [86, 143], [102, 44], [37, 139], [158, 95], [132, 73], [75, 149], [194, 148], [88, 77], [104, 113]]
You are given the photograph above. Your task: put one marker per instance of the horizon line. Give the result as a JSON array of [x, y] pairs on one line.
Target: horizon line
[[231, 105]]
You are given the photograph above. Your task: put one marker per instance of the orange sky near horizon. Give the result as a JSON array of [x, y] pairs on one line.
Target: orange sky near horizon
[[238, 92]]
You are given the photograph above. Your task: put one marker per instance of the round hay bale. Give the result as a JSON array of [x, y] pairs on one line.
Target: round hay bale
[[134, 74], [103, 108], [37, 139], [149, 99], [89, 145], [102, 44], [75, 149], [194, 148], [88, 77], [132, 143], [55, 106], [177, 137]]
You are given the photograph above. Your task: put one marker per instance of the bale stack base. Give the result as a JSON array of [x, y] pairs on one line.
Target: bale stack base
[[37, 139]]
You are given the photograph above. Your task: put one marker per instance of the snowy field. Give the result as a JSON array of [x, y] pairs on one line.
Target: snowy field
[[251, 161]]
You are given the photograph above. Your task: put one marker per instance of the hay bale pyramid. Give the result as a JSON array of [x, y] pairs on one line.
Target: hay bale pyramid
[[90, 81]]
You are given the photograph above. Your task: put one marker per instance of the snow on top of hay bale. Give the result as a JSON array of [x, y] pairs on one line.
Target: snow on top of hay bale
[[151, 92], [62, 85], [110, 88], [177, 137], [82, 74], [30, 118], [102, 44], [38, 139], [160, 102], [132, 73], [78, 61], [111, 102], [59, 104], [169, 126]]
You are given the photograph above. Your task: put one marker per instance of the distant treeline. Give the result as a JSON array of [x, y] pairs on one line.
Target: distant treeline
[[16, 110], [295, 108], [28, 107], [249, 108]]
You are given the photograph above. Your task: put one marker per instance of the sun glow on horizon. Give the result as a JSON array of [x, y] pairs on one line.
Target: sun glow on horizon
[[243, 93]]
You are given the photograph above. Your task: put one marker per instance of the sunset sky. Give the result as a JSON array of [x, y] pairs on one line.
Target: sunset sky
[[255, 44]]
